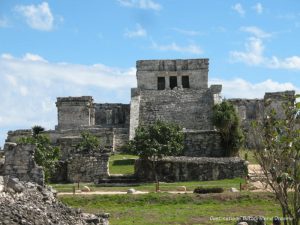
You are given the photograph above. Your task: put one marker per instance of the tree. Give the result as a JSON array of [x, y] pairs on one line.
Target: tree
[[278, 153], [89, 142], [227, 123], [153, 142], [45, 155]]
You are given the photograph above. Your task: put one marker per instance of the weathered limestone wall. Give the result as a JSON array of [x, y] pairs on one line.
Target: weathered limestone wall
[[112, 115], [149, 70], [250, 110], [172, 169], [192, 109], [87, 167], [19, 162], [74, 112], [121, 137], [276, 100], [14, 136], [134, 111], [203, 144]]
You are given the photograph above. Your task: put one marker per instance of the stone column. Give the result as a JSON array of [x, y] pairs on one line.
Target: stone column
[[179, 81], [167, 79]]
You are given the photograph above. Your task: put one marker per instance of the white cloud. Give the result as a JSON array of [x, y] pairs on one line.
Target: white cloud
[[292, 62], [38, 17], [191, 48], [142, 4], [30, 85], [257, 32], [240, 88], [138, 32], [239, 9], [33, 57], [258, 8], [187, 32], [254, 55], [4, 22]]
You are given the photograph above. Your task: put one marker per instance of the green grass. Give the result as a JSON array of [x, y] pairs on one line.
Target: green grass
[[121, 164], [163, 208], [191, 185]]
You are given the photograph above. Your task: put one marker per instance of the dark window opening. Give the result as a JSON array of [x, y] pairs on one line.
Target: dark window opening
[[185, 82], [173, 82], [161, 83]]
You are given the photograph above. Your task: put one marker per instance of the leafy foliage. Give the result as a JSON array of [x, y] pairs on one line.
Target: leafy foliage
[[278, 153], [157, 140], [36, 130], [45, 155], [227, 122], [206, 190], [154, 141], [89, 142]]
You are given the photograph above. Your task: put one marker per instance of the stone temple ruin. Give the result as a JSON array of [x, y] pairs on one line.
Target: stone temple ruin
[[169, 90]]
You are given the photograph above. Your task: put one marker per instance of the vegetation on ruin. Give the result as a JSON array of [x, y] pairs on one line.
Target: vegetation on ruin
[[89, 142], [45, 155], [154, 141], [278, 153], [227, 123], [164, 208]]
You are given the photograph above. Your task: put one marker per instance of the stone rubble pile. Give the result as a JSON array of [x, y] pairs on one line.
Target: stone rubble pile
[[28, 203]]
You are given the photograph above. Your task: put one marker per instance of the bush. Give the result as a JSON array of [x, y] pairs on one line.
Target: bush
[[203, 190], [227, 123]]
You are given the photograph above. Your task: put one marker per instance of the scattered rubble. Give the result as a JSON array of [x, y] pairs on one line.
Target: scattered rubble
[[28, 203]]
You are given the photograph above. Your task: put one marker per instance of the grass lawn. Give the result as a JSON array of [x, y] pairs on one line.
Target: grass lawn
[[163, 208], [122, 164], [191, 185]]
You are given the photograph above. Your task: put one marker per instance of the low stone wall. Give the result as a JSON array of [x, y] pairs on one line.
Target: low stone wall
[[172, 169], [86, 168], [19, 162], [205, 143]]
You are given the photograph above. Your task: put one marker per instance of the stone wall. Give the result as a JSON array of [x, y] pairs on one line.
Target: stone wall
[[121, 137], [173, 169], [250, 110], [149, 70], [73, 112], [112, 115], [19, 162], [87, 167], [203, 144], [14, 136], [134, 111], [192, 109]]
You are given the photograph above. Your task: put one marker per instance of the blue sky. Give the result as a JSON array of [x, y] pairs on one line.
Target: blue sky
[[71, 48]]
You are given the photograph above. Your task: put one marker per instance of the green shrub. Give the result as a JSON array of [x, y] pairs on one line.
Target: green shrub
[[203, 190]]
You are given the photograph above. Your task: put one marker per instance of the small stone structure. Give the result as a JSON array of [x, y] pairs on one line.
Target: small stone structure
[[19, 162], [173, 169]]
